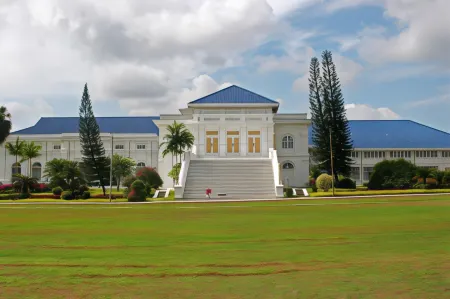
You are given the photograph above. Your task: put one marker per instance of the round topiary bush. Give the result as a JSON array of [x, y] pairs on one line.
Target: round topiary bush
[[67, 195], [324, 182], [137, 192], [346, 183], [86, 195], [150, 177], [57, 191], [83, 188]]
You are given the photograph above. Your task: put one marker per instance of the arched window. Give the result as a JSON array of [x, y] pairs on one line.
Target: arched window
[[140, 165], [288, 142], [16, 168], [288, 165], [36, 171]]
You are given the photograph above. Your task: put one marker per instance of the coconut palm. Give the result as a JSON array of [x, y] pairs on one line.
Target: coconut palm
[[15, 149], [122, 167], [5, 124], [24, 183], [29, 152], [54, 171]]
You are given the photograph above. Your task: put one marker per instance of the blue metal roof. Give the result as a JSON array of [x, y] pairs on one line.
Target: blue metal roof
[[234, 95], [120, 125], [394, 134]]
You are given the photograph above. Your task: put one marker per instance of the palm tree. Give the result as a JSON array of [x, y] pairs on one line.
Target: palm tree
[[122, 167], [54, 170], [72, 174], [16, 149], [5, 124], [24, 182], [30, 151], [176, 141]]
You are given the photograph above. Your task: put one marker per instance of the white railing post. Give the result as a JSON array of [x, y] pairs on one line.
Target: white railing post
[[276, 173], [179, 188]]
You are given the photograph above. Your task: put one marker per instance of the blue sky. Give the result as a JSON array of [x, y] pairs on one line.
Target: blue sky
[[148, 57]]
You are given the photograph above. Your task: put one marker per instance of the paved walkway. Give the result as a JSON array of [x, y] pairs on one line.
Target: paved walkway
[[218, 200]]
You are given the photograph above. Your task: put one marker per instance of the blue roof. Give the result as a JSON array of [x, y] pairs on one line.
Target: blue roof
[[120, 125], [234, 95], [394, 134]]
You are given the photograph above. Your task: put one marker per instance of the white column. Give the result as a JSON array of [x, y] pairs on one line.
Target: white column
[[222, 141], [243, 141]]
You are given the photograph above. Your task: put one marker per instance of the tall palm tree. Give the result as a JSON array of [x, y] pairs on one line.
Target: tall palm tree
[[30, 151], [122, 167], [177, 140], [54, 171], [16, 149], [5, 124]]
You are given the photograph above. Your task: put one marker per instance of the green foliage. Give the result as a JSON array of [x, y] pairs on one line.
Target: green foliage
[[67, 195], [15, 149], [83, 188], [24, 183], [346, 183], [122, 167], [86, 195], [64, 173], [5, 124], [289, 192], [150, 177], [137, 192], [29, 152], [95, 163], [392, 174], [57, 191], [328, 117], [129, 180], [177, 140], [24, 195], [324, 182], [175, 172], [315, 171]]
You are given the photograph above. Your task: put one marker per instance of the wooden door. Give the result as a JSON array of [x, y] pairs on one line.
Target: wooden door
[[229, 145], [257, 145], [212, 142], [208, 145], [250, 145], [236, 144], [254, 142], [215, 145]]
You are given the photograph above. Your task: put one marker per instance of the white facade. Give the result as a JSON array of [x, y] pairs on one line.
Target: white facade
[[365, 159]]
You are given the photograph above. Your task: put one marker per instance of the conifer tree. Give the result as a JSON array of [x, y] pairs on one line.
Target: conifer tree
[[95, 162], [328, 116]]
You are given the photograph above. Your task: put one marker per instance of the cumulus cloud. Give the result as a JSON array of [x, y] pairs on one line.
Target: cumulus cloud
[[27, 114], [363, 111]]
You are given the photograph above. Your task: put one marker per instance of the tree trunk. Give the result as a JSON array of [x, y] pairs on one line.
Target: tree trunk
[[118, 183]]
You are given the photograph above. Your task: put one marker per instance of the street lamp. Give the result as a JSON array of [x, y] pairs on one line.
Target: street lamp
[[110, 167], [331, 160]]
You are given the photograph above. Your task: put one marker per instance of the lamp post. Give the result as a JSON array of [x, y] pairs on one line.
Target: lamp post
[[331, 160], [111, 167]]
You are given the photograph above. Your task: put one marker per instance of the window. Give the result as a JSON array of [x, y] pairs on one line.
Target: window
[[426, 154], [57, 146], [374, 155], [400, 154], [288, 142], [355, 154], [16, 168], [36, 171], [119, 146], [140, 146], [288, 165], [140, 165], [367, 171], [446, 154], [354, 174]]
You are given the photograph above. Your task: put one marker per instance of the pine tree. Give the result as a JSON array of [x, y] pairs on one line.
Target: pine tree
[[329, 117], [95, 162]]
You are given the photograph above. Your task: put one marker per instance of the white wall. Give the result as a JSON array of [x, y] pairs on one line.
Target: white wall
[[298, 177]]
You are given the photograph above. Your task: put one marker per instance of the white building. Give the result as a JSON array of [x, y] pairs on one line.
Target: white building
[[377, 140], [243, 147], [241, 142]]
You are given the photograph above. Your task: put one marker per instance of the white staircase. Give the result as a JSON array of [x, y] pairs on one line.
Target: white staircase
[[230, 179]]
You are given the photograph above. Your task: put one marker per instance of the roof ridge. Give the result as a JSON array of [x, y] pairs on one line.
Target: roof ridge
[[234, 85], [192, 102], [426, 126]]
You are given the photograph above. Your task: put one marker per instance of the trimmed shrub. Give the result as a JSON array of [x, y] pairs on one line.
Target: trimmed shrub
[[324, 182], [138, 192], [24, 195], [9, 196], [83, 188], [113, 196], [45, 196], [6, 187], [346, 183], [314, 188], [57, 191], [149, 177], [67, 195], [289, 192], [128, 181], [86, 195], [392, 174]]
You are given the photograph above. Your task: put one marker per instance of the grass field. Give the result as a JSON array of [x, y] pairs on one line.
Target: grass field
[[360, 248]]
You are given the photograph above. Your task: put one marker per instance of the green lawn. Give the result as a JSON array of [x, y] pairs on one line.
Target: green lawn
[[360, 248]]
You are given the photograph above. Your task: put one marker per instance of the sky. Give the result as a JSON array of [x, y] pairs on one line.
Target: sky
[[151, 57]]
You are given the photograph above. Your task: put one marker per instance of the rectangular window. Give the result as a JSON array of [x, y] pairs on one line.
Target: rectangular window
[[355, 173], [119, 146], [355, 154], [57, 146], [140, 146], [445, 154]]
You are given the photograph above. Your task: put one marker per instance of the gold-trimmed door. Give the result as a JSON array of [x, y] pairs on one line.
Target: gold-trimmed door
[[212, 142], [254, 142], [233, 142]]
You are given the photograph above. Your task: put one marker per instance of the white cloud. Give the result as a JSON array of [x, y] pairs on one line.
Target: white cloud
[[334, 5], [27, 114], [346, 68], [139, 53], [363, 111], [423, 35]]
